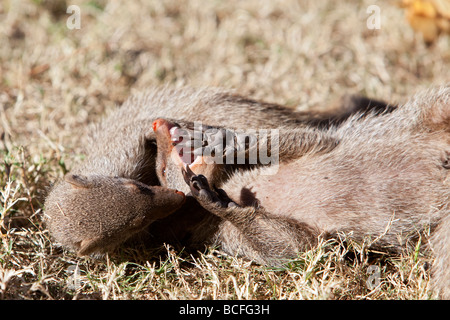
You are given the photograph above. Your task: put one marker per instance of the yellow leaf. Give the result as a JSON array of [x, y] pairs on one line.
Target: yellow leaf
[[424, 9]]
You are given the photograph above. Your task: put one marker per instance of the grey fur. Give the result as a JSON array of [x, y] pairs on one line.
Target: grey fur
[[384, 177]]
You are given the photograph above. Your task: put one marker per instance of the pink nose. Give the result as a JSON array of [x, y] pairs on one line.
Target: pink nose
[[157, 123]]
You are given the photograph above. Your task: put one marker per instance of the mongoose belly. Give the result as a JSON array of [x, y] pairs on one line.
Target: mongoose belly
[[343, 191]]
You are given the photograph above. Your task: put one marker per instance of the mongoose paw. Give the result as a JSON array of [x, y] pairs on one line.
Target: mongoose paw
[[201, 190]]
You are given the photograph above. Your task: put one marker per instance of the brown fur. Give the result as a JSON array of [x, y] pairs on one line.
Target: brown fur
[[113, 193]]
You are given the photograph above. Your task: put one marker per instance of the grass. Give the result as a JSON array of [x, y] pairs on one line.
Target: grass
[[56, 81]]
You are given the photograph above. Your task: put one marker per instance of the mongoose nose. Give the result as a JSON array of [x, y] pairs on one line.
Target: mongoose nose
[[181, 194], [161, 122], [157, 124]]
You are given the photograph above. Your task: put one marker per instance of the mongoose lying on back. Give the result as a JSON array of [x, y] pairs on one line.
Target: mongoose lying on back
[[384, 177], [113, 194]]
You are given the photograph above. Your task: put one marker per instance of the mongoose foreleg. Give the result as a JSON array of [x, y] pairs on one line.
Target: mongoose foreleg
[[251, 231]]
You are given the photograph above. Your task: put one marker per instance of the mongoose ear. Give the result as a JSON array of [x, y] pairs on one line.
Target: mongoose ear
[[88, 246], [78, 181]]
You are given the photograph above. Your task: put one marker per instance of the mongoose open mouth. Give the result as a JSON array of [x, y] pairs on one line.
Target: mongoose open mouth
[[187, 145], [184, 145]]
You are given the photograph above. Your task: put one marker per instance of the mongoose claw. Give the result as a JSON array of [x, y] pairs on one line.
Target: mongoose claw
[[198, 183], [200, 189], [187, 174]]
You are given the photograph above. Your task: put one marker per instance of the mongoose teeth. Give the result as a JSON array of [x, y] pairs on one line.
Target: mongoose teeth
[[174, 133]]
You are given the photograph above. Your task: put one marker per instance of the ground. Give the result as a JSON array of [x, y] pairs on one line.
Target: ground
[[56, 79]]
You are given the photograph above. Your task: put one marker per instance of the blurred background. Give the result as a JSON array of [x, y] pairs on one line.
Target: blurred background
[[301, 53]]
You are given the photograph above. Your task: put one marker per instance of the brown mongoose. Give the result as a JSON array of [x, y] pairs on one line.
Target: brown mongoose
[[100, 202], [384, 177]]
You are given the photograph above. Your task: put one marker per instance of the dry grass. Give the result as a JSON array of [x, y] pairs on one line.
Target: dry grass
[[54, 81]]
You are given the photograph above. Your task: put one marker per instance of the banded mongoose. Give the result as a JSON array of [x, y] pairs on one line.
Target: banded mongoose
[[113, 194], [383, 177]]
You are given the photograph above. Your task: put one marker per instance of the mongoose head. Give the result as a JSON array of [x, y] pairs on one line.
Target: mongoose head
[[177, 148], [94, 214]]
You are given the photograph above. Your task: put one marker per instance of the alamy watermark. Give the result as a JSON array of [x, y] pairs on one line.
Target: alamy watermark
[[374, 20], [73, 281], [227, 146], [74, 20], [374, 279]]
